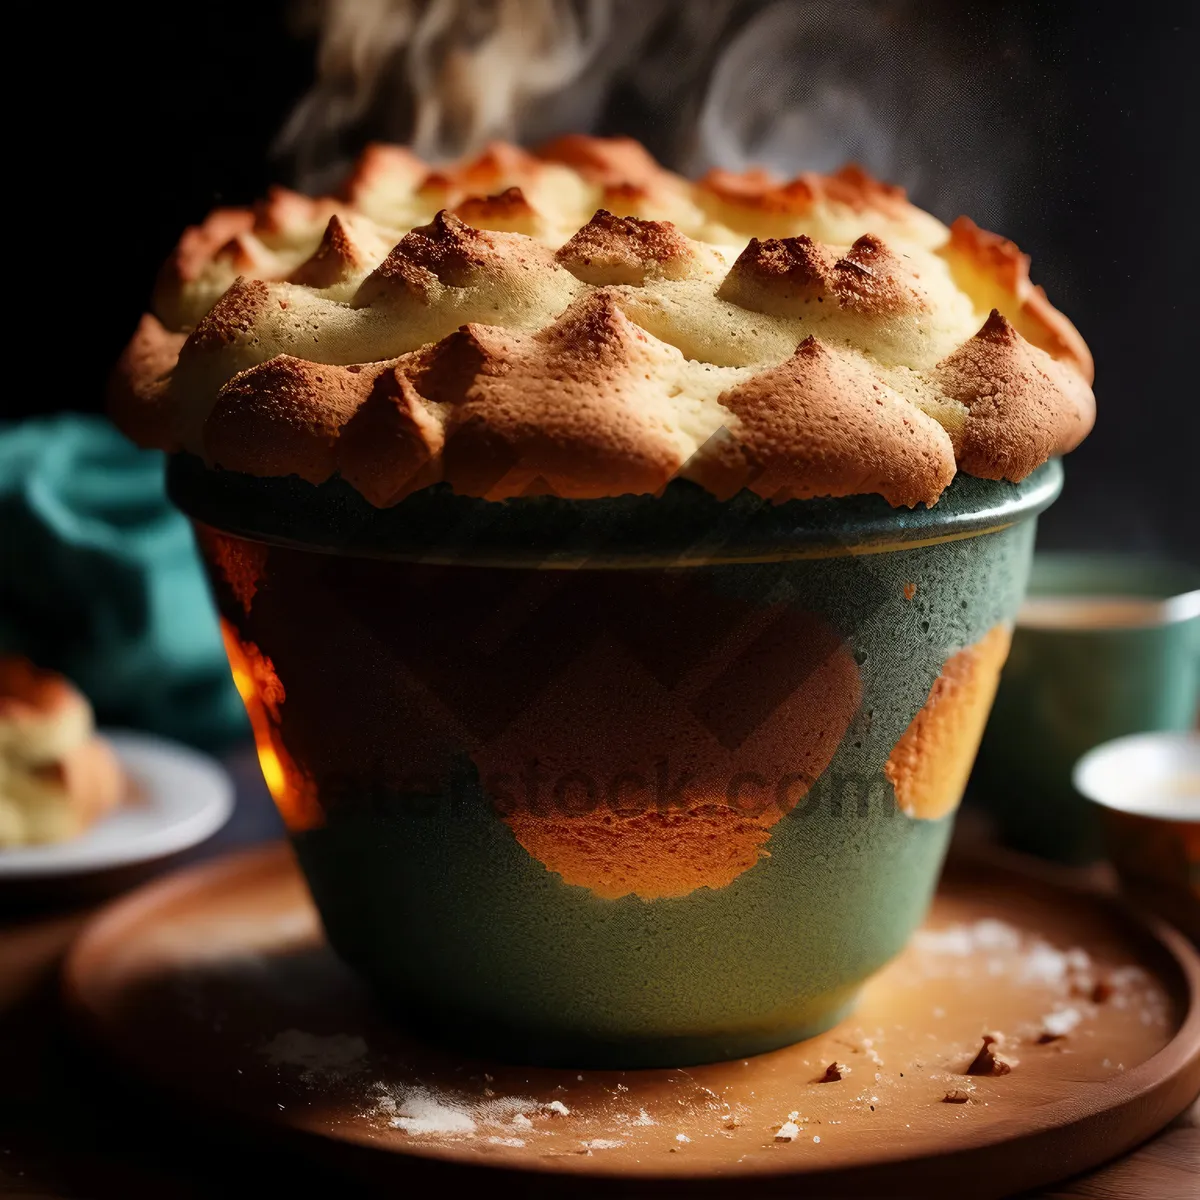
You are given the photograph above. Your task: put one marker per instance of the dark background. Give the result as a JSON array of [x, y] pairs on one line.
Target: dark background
[[144, 120]]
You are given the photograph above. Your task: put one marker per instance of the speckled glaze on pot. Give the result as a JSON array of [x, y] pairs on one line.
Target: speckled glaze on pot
[[582, 783]]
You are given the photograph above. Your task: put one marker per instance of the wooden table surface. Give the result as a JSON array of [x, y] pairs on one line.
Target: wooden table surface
[[71, 1128]]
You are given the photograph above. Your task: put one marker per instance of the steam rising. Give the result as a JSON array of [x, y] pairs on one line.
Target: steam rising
[[456, 72], [791, 84]]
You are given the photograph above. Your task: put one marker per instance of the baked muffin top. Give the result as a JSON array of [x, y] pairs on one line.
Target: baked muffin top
[[581, 322]]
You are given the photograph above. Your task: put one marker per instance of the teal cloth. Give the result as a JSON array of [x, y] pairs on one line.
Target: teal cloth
[[100, 579]]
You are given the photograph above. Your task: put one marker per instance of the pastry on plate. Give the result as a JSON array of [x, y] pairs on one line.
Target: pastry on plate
[[57, 775]]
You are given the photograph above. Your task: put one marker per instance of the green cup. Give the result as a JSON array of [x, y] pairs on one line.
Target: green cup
[[1105, 646]]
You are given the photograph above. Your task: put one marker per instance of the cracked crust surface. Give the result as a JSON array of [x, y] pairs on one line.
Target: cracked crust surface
[[581, 322]]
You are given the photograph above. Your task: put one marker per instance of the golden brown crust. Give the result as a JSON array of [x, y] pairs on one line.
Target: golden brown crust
[[488, 172], [507, 211], [138, 385], [284, 417], [610, 250], [786, 275], [999, 260], [334, 260], [821, 425], [594, 324], [1022, 407], [382, 169], [391, 447], [610, 162], [197, 247], [558, 411], [755, 200], [450, 252]]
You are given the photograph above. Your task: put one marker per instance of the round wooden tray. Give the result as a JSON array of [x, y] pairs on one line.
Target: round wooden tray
[[216, 983]]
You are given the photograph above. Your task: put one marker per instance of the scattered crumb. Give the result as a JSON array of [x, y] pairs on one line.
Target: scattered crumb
[[682, 1137], [507, 1141], [787, 1132], [521, 1121], [557, 1106], [987, 1062], [816, 1137], [600, 1144], [956, 1096], [834, 1073]]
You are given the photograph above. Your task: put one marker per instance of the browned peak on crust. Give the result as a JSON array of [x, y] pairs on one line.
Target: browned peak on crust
[[758, 190], [450, 252], [761, 190], [1022, 406], [785, 275], [870, 278], [507, 211], [381, 172], [610, 250], [795, 270], [334, 260], [196, 249], [200, 242], [138, 385], [284, 416], [609, 162], [989, 258], [568, 322], [244, 254], [492, 170], [857, 189], [822, 425], [392, 445], [631, 183], [232, 318], [561, 411]]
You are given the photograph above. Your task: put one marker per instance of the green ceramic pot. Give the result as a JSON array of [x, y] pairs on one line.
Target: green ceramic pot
[[1088, 673], [635, 782]]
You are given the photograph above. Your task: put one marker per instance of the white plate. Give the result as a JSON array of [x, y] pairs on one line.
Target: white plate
[[183, 798]]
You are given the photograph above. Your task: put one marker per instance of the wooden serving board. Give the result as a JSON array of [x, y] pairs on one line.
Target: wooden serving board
[[216, 983]]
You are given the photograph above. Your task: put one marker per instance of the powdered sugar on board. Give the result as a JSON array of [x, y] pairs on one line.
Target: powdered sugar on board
[[939, 1038]]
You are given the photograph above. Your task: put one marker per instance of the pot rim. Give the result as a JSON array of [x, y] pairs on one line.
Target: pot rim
[[684, 526]]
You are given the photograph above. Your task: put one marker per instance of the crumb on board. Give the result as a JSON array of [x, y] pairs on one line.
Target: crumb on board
[[987, 1061], [834, 1073]]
